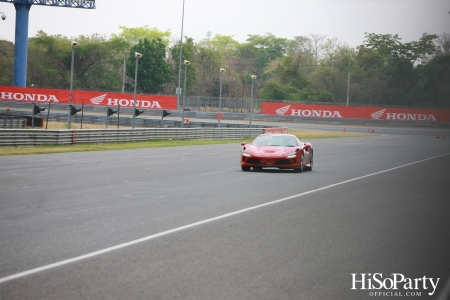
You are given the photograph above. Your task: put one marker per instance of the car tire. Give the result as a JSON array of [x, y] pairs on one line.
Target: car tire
[[244, 168], [300, 169], [310, 164]]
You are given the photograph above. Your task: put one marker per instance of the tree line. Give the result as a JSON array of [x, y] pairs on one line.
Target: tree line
[[306, 69]]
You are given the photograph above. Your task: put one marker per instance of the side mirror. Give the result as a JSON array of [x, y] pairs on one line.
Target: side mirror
[[243, 143]]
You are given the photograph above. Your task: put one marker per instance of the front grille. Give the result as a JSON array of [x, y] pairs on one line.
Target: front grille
[[283, 162], [279, 162], [253, 161]]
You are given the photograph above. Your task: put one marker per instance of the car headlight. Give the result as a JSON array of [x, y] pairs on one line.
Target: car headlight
[[291, 155], [245, 153]]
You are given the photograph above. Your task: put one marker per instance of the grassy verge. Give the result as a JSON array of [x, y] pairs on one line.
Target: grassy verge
[[304, 135], [63, 125]]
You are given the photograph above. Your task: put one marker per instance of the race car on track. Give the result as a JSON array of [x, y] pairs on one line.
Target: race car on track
[[282, 151]]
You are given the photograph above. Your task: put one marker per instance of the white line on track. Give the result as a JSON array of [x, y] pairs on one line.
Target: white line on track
[[157, 235]]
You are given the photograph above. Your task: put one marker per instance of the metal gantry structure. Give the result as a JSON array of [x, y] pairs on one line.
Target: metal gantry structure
[[21, 37]]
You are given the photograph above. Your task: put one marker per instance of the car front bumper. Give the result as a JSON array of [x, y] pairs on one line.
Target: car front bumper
[[270, 162]]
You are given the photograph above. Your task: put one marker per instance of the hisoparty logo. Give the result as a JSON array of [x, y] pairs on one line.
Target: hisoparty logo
[[396, 285], [281, 111]]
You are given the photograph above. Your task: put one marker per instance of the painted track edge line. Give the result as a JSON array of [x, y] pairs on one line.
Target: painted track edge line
[[153, 236]]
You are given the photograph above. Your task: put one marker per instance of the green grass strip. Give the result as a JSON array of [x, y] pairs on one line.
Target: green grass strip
[[304, 135]]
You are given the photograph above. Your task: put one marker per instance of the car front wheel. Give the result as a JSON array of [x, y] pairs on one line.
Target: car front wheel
[[300, 169], [310, 164], [244, 168]]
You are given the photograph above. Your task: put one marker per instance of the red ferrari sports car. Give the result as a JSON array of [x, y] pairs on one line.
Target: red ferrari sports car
[[282, 151]]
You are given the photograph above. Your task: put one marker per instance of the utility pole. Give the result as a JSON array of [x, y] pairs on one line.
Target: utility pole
[[348, 84]]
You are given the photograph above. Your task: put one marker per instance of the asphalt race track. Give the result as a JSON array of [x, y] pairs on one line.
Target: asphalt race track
[[187, 223]]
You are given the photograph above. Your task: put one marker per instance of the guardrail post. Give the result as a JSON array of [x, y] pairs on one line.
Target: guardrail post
[[74, 136]]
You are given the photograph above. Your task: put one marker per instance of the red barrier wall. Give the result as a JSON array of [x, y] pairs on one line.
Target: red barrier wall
[[356, 112], [11, 93]]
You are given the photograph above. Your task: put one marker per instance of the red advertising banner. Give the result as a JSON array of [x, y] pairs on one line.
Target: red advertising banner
[[403, 114], [10, 93], [356, 112]]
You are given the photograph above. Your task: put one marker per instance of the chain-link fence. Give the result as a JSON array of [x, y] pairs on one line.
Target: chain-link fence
[[224, 104]]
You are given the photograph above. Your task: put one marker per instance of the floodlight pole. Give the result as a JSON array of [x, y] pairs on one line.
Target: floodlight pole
[[220, 96], [74, 44], [123, 71], [186, 63], [348, 84], [179, 66], [251, 101], [137, 55]]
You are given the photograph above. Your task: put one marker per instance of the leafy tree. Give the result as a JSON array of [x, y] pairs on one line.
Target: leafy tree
[[300, 44], [330, 48], [390, 47], [94, 59], [437, 81], [274, 90], [132, 36], [206, 63], [317, 40], [289, 72], [224, 44], [50, 60], [325, 96], [443, 42], [128, 37], [153, 70], [324, 78], [263, 49], [6, 62], [397, 60]]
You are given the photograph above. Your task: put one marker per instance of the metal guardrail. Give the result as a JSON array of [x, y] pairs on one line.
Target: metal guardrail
[[11, 122], [34, 137]]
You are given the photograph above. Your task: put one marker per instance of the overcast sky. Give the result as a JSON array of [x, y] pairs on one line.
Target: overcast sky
[[346, 20]]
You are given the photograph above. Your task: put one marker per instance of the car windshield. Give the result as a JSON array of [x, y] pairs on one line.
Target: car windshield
[[275, 140]]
